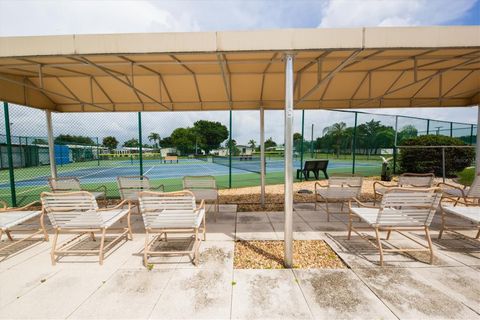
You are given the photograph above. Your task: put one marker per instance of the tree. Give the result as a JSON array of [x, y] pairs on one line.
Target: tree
[[184, 140], [252, 143], [407, 132], [70, 139], [337, 132], [153, 136], [166, 142], [297, 141], [110, 142], [209, 134], [132, 143], [269, 143], [232, 145]]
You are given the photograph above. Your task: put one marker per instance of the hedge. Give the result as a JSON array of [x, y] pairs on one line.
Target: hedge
[[426, 160]]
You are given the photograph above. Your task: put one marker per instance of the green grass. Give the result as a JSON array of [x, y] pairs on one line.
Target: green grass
[[466, 176]]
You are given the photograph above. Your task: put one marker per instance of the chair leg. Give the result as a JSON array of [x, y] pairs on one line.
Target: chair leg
[[388, 234], [350, 224], [92, 235], [102, 244], [443, 226], [54, 247], [204, 229], [9, 235], [1, 233], [195, 255], [42, 227], [145, 250], [379, 243], [430, 246], [328, 211], [129, 226]]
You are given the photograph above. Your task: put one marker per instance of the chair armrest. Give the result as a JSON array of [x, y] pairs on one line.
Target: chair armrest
[[21, 208], [451, 186], [464, 201], [201, 206], [361, 204], [320, 186], [159, 187], [121, 204], [382, 184]]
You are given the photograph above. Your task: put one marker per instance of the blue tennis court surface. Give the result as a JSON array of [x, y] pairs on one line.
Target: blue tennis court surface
[[155, 170]]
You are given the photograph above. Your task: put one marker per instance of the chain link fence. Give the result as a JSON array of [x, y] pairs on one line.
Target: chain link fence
[[99, 147]]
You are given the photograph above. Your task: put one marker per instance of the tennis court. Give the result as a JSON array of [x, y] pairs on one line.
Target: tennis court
[[29, 181]]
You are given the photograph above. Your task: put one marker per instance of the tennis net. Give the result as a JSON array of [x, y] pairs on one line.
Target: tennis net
[[247, 163]]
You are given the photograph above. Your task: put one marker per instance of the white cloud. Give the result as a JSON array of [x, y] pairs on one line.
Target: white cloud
[[351, 13], [81, 17]]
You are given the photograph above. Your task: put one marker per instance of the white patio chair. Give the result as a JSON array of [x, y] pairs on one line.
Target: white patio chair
[[78, 212], [401, 209], [468, 194], [172, 212], [204, 188], [405, 180], [340, 189], [69, 184], [466, 212], [10, 218], [130, 186]]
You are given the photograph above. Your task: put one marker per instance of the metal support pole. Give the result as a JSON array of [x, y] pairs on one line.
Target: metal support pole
[[140, 147], [354, 143], [395, 142], [311, 143], [262, 156], [11, 174], [51, 144], [230, 152], [288, 230], [301, 146], [451, 129], [477, 156], [443, 163], [428, 126]]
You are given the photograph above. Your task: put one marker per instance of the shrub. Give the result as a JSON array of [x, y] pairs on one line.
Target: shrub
[[425, 160]]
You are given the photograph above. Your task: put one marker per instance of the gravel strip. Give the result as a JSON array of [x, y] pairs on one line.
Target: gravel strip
[[307, 254]]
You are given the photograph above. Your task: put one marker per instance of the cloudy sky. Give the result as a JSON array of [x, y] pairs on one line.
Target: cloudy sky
[[25, 18]]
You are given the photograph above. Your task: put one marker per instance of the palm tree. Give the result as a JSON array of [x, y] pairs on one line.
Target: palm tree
[[252, 143], [336, 131], [153, 136]]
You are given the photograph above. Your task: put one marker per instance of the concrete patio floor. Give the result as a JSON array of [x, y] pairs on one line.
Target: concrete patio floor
[[406, 288]]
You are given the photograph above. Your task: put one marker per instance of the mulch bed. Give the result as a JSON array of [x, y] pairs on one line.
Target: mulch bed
[[307, 254]]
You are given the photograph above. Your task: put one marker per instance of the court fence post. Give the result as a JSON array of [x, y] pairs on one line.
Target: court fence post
[[303, 141], [140, 150], [98, 153], [354, 142], [428, 127], [230, 152], [471, 135], [13, 193]]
